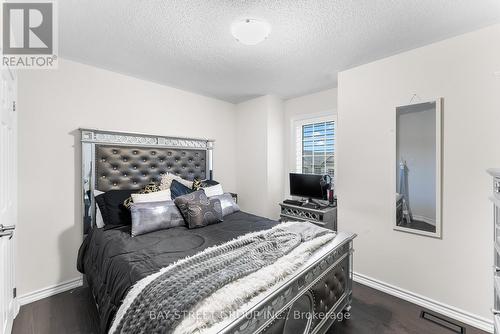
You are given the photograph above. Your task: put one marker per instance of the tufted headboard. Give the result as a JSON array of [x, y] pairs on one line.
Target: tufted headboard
[[116, 160], [130, 167]]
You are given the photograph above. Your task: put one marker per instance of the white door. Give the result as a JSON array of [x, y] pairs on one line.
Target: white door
[[8, 198]]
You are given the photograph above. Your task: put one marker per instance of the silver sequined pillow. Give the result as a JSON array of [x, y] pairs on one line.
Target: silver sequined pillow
[[198, 210], [227, 203], [153, 216]]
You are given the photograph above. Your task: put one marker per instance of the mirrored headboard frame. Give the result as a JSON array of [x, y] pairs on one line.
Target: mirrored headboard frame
[[92, 138]]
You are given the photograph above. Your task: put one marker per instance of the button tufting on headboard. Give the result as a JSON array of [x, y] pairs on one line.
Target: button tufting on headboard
[[126, 167]]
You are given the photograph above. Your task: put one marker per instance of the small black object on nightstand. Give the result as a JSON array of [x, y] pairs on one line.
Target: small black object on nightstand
[[292, 202]]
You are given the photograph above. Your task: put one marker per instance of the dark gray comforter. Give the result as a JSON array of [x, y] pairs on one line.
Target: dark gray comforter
[[113, 261]]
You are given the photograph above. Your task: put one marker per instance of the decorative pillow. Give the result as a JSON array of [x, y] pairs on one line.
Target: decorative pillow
[[208, 183], [99, 221], [158, 196], [166, 181], [150, 188], [154, 216], [198, 184], [178, 189], [227, 203], [213, 190], [198, 210], [101, 206], [112, 209]]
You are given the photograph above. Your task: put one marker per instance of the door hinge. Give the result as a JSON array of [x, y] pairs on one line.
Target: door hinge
[[14, 293], [13, 105]]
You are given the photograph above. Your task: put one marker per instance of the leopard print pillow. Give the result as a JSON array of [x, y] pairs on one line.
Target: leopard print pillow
[[197, 184], [150, 188]]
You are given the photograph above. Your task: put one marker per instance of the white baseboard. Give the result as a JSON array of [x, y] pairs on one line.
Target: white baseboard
[[49, 291], [12, 312], [17, 306], [443, 309]]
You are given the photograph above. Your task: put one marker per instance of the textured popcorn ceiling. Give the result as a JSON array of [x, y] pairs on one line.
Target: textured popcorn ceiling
[[188, 44]]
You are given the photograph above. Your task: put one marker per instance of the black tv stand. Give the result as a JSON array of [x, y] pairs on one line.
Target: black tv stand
[[323, 216]]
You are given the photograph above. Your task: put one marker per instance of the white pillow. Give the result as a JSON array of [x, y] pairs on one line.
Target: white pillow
[[158, 196], [99, 221], [213, 190], [166, 181]]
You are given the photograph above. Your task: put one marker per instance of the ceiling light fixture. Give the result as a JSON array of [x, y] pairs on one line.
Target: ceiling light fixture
[[250, 31]]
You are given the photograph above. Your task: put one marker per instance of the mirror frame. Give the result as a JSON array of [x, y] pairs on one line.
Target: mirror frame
[[439, 163]]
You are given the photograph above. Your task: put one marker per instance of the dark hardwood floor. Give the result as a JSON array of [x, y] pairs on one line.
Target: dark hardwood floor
[[420, 225], [373, 312]]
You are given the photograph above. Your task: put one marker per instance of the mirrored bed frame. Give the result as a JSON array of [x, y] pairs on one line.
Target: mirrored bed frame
[[322, 286], [120, 160]]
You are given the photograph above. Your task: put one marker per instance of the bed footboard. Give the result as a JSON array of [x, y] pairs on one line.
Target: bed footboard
[[310, 302]]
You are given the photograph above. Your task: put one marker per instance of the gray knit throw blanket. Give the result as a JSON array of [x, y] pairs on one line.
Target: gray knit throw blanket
[[182, 286]]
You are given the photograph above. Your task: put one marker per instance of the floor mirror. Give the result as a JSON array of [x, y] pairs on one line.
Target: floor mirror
[[418, 168]]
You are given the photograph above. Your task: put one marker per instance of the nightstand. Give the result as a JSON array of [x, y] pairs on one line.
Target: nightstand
[[235, 197], [325, 216]]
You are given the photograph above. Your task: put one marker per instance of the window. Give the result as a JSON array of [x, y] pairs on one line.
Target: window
[[316, 146]]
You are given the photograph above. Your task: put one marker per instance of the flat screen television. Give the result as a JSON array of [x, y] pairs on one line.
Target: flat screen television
[[308, 186]]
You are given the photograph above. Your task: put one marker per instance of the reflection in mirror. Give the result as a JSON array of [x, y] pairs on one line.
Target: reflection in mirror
[[304, 307], [88, 205], [418, 150]]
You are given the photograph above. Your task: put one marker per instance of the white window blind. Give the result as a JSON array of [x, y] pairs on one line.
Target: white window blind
[[316, 147]]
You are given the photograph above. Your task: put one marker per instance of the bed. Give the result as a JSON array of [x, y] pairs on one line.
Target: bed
[[113, 262]]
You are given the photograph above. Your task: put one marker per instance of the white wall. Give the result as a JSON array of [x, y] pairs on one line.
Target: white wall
[[265, 137], [260, 155], [275, 154], [52, 106], [251, 146], [319, 104], [457, 269]]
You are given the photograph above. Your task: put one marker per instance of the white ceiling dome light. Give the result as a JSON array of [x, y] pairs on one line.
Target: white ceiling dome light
[[250, 31]]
